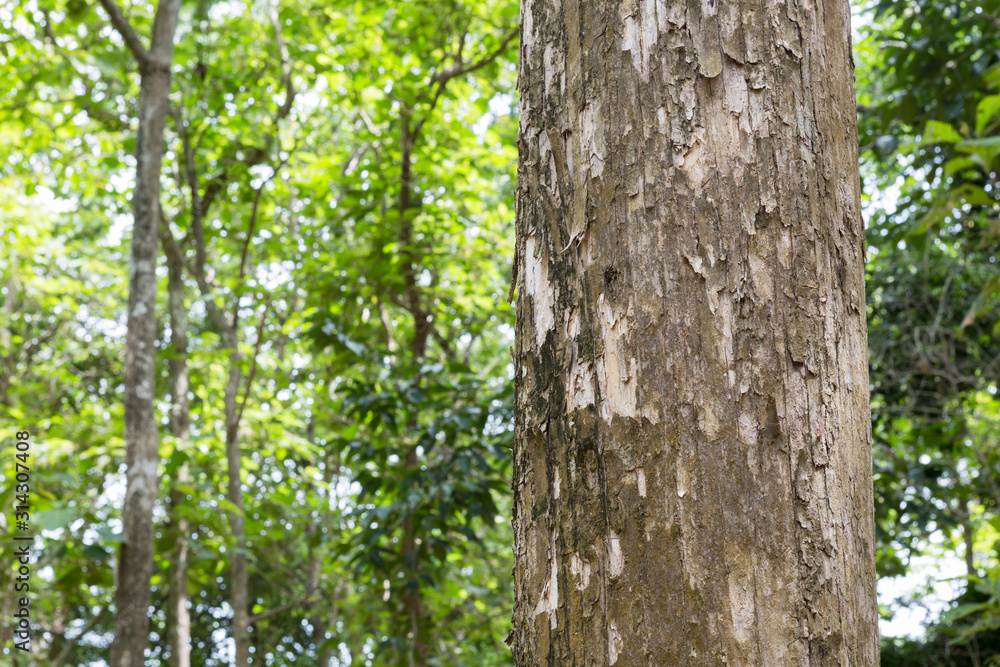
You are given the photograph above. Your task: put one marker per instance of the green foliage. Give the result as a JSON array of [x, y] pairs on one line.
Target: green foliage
[[929, 134], [290, 127]]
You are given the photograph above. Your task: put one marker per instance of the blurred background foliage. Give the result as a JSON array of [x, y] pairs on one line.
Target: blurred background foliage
[[929, 128], [363, 237]]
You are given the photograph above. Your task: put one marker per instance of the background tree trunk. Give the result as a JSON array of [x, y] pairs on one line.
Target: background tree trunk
[[132, 595], [692, 477], [239, 576], [178, 616]]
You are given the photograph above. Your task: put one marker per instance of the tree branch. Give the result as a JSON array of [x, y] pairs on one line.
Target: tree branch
[[191, 171], [124, 29], [172, 248], [459, 69], [286, 67], [250, 228]]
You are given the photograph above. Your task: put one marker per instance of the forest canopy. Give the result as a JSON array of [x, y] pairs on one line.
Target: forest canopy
[[332, 325]]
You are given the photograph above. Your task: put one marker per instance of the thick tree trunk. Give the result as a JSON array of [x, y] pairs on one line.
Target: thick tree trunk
[[692, 466], [178, 616], [132, 595]]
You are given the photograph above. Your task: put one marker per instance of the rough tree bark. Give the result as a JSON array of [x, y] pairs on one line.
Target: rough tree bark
[[692, 466], [132, 596]]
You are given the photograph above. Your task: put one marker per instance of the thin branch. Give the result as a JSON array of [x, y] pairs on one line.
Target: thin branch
[[250, 228], [217, 183], [443, 342], [458, 69], [437, 96], [124, 29], [172, 248], [253, 361], [286, 67], [191, 171], [384, 316]]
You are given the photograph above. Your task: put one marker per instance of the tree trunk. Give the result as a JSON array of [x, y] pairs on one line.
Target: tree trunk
[[412, 601], [178, 616], [968, 537], [239, 578], [132, 596], [6, 351], [7, 607], [314, 578], [229, 330], [692, 464]]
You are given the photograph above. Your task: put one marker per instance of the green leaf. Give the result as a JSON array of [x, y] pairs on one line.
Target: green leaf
[[988, 293], [939, 132], [985, 148], [959, 164], [109, 535], [963, 610], [55, 518], [983, 142], [96, 552], [985, 111]]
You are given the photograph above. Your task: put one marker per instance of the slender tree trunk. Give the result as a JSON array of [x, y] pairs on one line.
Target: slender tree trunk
[[7, 608], [327, 653], [314, 579], [692, 463], [6, 353], [178, 616], [58, 631], [132, 596], [968, 538], [239, 578], [418, 348], [229, 329], [312, 588]]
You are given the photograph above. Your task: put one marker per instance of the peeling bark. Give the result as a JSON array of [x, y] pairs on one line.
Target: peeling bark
[[132, 596], [692, 462]]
